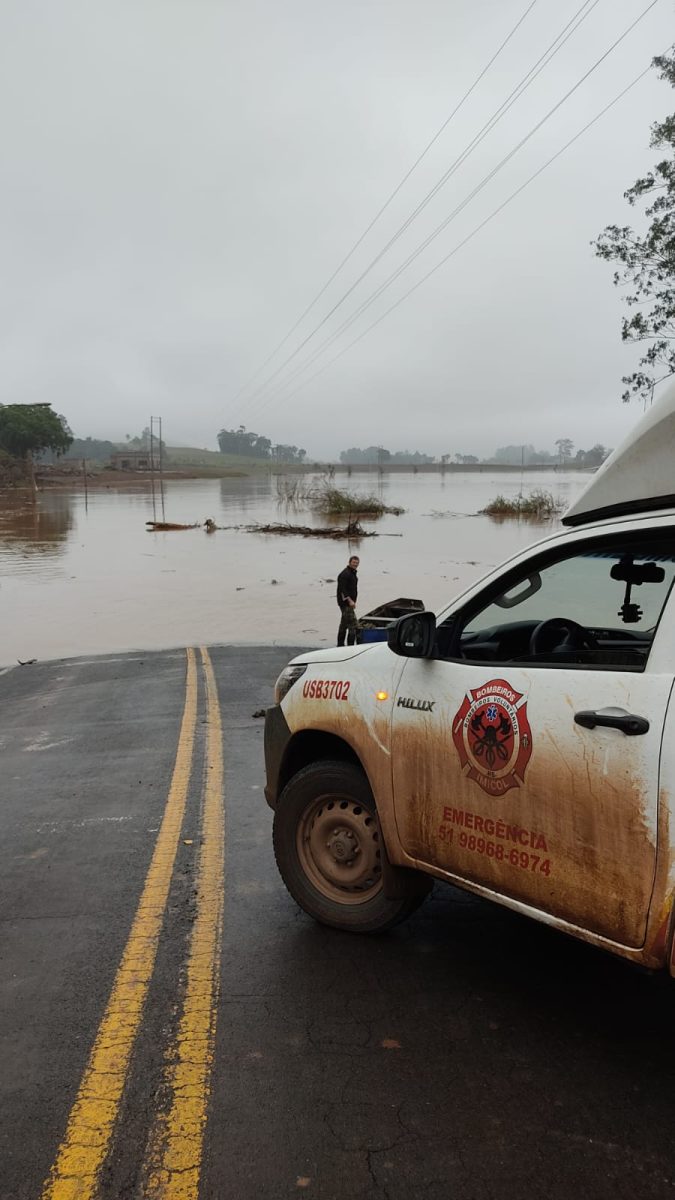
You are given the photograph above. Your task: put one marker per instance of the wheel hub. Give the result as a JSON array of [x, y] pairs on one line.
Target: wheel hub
[[344, 846], [338, 844]]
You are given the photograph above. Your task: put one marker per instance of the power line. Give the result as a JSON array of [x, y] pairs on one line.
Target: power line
[[443, 225], [389, 199], [460, 245], [521, 87]]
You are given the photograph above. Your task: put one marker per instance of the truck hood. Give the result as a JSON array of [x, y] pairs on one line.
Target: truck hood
[[336, 654]]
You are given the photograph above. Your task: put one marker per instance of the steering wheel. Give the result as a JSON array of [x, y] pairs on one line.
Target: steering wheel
[[577, 636]]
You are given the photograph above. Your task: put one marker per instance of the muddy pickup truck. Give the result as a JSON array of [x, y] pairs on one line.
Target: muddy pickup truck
[[519, 744]]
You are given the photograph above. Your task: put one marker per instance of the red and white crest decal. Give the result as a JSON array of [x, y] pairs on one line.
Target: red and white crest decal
[[493, 736]]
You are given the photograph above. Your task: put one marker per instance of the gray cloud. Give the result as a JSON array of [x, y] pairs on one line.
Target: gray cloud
[[178, 179]]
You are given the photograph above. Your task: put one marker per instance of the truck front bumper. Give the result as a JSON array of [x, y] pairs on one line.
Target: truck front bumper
[[277, 737]]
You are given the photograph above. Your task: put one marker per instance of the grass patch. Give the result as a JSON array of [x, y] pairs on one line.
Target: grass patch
[[321, 495], [294, 490], [332, 501], [539, 503]]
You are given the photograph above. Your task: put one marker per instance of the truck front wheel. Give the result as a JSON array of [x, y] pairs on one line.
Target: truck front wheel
[[329, 851]]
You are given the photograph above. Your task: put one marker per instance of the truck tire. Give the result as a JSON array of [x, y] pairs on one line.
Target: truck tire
[[329, 852]]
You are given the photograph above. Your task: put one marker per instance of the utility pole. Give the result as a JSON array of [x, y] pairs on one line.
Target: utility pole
[[159, 461], [152, 472], [161, 476]]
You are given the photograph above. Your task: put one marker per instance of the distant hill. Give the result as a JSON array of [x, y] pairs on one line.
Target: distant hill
[[192, 456]]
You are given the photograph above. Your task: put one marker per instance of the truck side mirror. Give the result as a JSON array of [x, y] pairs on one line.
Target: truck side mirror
[[414, 636]]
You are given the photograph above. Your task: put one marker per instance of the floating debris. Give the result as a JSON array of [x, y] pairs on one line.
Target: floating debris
[[353, 530], [167, 526]]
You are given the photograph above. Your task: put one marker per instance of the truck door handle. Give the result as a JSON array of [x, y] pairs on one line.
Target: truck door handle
[[612, 718]]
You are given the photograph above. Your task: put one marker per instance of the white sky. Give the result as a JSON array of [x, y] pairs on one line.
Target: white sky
[[178, 179]]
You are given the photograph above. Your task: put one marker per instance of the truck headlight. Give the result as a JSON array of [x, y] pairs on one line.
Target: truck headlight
[[286, 680]]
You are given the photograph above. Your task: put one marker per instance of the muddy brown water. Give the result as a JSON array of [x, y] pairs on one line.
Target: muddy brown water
[[81, 576]]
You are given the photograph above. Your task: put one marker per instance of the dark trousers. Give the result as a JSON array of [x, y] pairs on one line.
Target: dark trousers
[[348, 626]]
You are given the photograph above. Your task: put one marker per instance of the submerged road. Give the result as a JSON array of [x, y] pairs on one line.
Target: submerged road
[[172, 1026]]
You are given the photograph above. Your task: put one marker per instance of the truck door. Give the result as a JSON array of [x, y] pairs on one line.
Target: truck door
[[525, 757]]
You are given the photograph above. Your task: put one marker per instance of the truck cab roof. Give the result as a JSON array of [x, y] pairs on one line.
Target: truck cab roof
[[639, 476]]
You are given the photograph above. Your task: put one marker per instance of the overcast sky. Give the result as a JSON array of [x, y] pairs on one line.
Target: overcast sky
[[179, 178]]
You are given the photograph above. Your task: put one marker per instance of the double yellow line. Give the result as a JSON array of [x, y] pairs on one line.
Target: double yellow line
[[174, 1147]]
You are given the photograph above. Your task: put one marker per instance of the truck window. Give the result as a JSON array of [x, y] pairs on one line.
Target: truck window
[[595, 605]]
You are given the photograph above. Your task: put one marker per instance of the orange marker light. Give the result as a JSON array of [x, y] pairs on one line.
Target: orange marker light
[[382, 695]]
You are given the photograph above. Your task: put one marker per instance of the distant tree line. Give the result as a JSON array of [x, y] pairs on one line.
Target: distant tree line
[[100, 450], [247, 444], [380, 456], [517, 456], [93, 449]]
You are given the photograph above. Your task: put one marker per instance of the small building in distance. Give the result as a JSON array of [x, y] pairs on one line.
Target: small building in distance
[[131, 460]]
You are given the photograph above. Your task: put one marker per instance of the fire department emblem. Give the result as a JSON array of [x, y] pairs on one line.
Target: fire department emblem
[[493, 737]]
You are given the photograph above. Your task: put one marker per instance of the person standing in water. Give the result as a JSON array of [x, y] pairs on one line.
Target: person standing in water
[[347, 591]]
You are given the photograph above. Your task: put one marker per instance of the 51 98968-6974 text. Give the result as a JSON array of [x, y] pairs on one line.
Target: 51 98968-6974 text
[[505, 843]]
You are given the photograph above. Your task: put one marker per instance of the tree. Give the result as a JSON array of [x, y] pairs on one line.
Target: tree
[[282, 453], [565, 448], [146, 441], [646, 263], [593, 457], [377, 455], [91, 449], [95, 449], [411, 457], [27, 430], [245, 443], [381, 457], [512, 455]]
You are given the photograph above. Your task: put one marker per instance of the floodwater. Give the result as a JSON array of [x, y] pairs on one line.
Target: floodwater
[[82, 576]]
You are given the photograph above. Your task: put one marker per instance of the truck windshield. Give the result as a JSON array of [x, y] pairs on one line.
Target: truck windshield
[[598, 604]]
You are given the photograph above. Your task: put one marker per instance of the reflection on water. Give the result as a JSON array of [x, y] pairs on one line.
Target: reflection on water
[[78, 579], [244, 493], [30, 526]]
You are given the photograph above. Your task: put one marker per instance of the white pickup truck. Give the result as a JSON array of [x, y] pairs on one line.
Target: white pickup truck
[[520, 744]]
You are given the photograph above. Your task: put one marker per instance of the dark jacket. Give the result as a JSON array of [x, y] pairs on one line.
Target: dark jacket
[[347, 586]]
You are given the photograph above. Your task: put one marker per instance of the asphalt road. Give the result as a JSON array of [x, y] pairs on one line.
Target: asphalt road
[[468, 1055]]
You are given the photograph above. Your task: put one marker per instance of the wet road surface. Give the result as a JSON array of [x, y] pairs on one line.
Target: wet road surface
[[171, 1025]]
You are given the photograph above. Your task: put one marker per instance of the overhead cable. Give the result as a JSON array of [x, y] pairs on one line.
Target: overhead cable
[[521, 87], [443, 225], [388, 201], [460, 245]]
